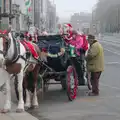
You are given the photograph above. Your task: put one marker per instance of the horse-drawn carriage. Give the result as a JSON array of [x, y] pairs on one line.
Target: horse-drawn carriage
[[33, 69], [59, 65]]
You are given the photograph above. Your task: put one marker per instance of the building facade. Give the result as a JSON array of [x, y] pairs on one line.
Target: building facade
[[36, 13], [42, 14], [16, 20], [51, 16], [23, 22], [5, 13], [81, 21]]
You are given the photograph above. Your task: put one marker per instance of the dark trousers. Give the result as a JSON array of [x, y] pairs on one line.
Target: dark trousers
[[95, 82]]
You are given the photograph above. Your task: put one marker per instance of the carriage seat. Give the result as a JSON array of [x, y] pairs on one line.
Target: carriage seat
[[54, 49]]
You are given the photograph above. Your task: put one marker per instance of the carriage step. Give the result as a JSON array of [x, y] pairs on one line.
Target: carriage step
[[59, 73], [53, 83]]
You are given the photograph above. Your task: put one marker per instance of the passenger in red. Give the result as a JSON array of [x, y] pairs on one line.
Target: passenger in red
[[30, 37], [67, 28], [85, 43]]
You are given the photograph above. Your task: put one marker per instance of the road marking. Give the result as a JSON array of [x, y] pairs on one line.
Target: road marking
[[113, 96], [112, 51], [112, 87], [90, 99], [112, 63], [112, 43]]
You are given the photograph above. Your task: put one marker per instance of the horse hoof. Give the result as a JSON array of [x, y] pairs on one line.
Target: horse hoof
[[5, 111], [35, 106], [27, 108], [20, 110]]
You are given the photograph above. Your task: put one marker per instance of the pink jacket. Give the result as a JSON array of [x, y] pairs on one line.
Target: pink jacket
[[78, 42]]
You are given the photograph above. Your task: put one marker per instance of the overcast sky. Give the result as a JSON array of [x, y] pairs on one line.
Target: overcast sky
[[67, 7]]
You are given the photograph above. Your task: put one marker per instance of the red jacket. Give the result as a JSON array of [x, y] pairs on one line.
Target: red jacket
[[85, 43], [30, 37], [68, 37]]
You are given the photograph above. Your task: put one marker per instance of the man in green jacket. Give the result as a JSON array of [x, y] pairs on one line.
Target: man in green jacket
[[95, 63]]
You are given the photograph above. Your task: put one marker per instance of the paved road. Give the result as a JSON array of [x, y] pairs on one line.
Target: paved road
[[106, 106], [56, 106]]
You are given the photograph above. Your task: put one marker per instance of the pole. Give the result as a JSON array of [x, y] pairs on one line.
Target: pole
[[34, 12], [10, 15], [0, 14], [118, 21]]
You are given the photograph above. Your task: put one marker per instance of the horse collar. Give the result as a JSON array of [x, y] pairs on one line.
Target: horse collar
[[16, 53]]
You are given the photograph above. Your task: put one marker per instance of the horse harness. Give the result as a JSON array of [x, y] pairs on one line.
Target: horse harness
[[16, 55]]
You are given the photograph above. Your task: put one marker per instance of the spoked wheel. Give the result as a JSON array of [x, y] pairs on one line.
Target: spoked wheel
[[63, 83], [46, 86], [72, 83]]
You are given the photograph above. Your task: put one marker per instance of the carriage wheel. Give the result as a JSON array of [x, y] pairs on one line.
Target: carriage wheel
[[40, 87], [45, 86], [72, 83], [63, 83], [16, 89]]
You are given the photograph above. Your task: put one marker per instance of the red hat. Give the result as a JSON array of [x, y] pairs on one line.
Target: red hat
[[69, 25]]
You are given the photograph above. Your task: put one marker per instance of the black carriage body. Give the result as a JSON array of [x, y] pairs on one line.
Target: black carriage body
[[53, 44], [62, 66]]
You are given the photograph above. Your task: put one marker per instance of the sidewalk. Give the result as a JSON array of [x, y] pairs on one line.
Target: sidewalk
[[13, 115]]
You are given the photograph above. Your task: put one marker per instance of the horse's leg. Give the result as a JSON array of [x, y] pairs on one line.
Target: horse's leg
[[35, 76], [7, 106], [20, 107], [27, 101]]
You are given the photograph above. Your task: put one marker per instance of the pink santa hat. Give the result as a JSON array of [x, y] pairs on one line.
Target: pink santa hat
[[69, 26]]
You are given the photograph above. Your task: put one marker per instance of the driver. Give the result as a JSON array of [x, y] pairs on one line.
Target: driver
[[67, 29]]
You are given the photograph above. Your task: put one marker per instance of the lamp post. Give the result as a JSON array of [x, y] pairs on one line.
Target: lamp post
[[118, 19], [28, 22]]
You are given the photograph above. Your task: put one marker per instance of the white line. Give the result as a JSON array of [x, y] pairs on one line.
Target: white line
[[112, 87], [113, 96], [111, 44], [109, 41], [110, 63], [112, 51]]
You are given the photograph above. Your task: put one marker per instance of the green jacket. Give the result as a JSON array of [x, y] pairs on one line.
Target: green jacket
[[95, 58]]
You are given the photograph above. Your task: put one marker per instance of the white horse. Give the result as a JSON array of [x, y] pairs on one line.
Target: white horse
[[13, 60]]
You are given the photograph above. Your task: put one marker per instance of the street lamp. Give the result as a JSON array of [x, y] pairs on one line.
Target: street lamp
[[29, 22]]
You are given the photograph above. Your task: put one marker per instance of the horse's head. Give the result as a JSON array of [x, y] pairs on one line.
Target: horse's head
[[4, 44]]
